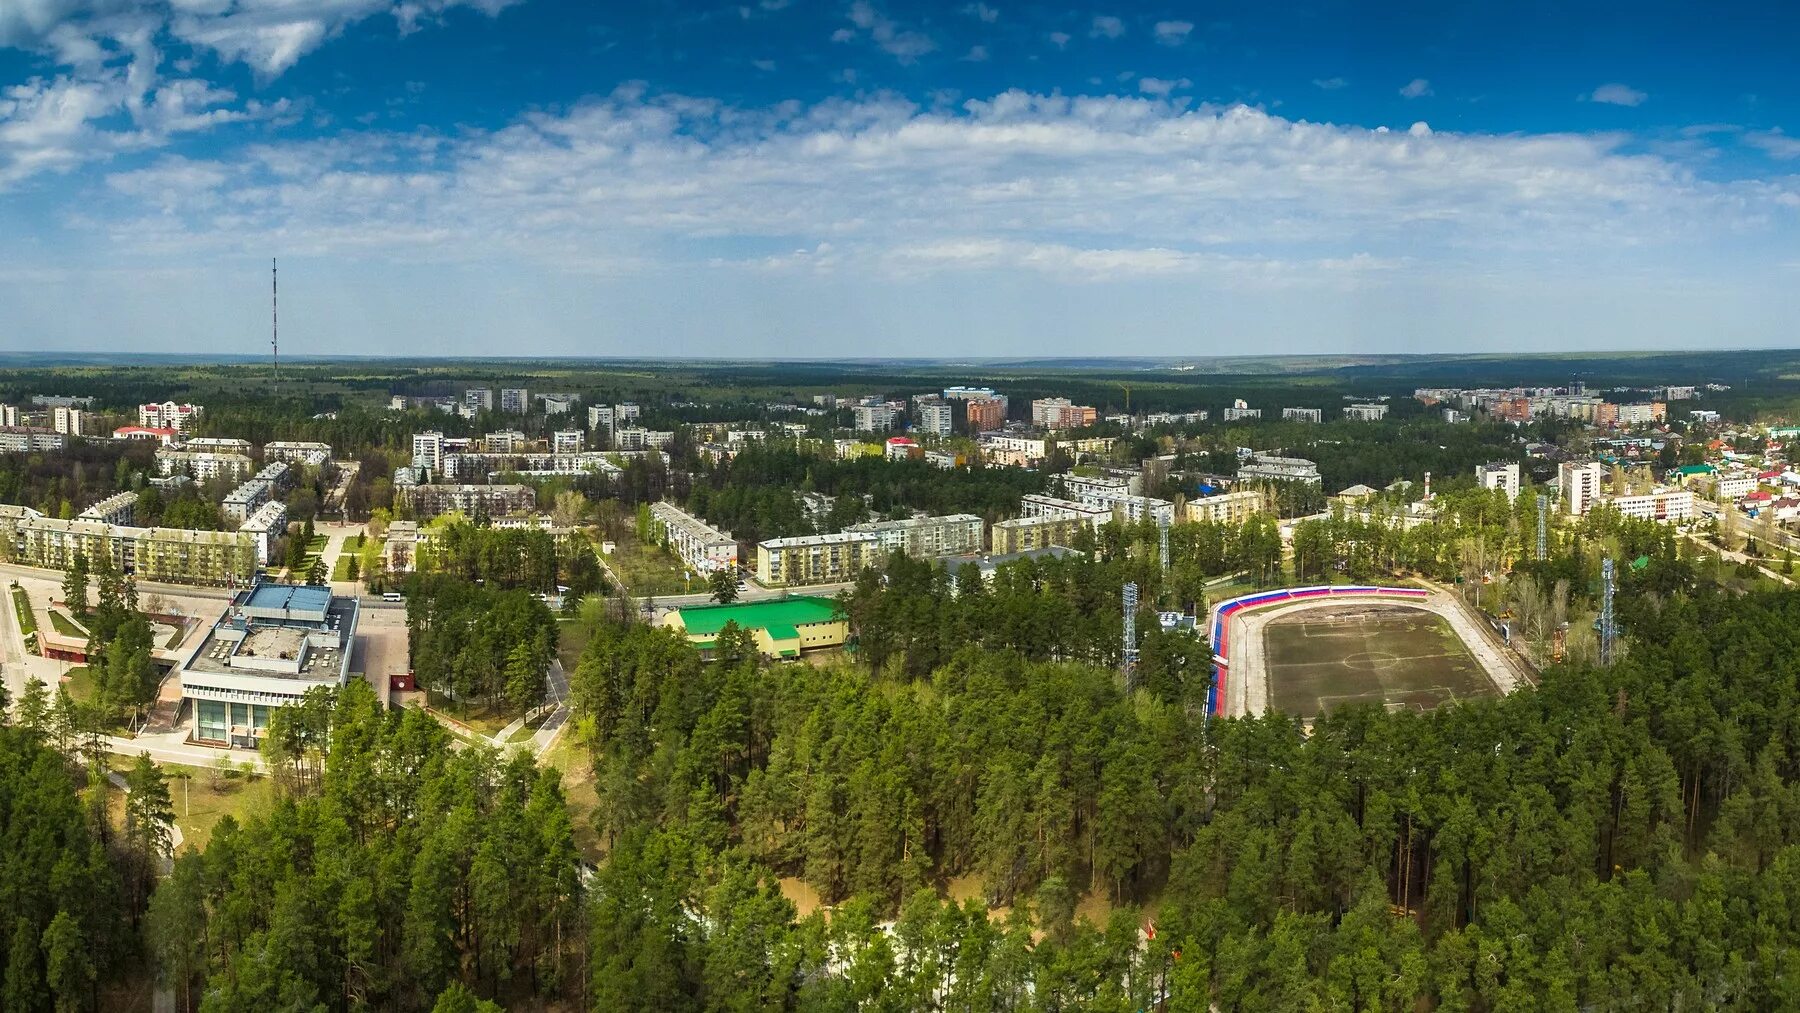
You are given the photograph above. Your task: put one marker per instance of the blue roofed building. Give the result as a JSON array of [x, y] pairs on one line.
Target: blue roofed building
[[274, 642]]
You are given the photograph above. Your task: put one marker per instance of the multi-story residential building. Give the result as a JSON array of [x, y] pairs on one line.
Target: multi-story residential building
[[1175, 418], [268, 523], [428, 501], [936, 416], [625, 412], [600, 416], [985, 415], [1024, 534], [901, 448], [119, 508], [1580, 482], [1240, 409], [218, 445], [273, 644], [428, 450], [1303, 414], [566, 441], [1672, 505], [1022, 451], [1033, 505], [479, 399], [1453, 416], [1081, 487], [557, 404], [927, 537], [515, 400], [504, 441], [30, 439], [1365, 412], [298, 452], [1678, 393], [1642, 414], [9, 415], [972, 394], [168, 415], [1502, 475], [1268, 468], [1734, 485], [171, 555], [204, 465], [873, 418], [68, 421], [72, 401], [1061, 413], [1226, 507], [245, 500], [637, 438], [816, 559], [696, 543]]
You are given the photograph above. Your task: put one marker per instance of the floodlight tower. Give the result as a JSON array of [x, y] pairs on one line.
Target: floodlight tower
[[275, 320], [1609, 626], [1543, 504], [1162, 531], [1129, 599]]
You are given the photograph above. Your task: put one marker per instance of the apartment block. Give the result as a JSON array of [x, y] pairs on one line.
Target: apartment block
[[1226, 508], [927, 537], [204, 465], [1580, 485], [68, 421], [515, 400], [985, 415], [1365, 412], [170, 555], [1268, 468], [600, 416], [119, 508], [1240, 409], [936, 416], [696, 543], [168, 415], [567, 441], [1033, 505], [30, 439], [1061, 413], [428, 501], [1669, 505], [816, 559], [1303, 414], [1502, 475], [218, 445], [1024, 534], [479, 399], [298, 452], [637, 438], [428, 450], [268, 523], [873, 418]]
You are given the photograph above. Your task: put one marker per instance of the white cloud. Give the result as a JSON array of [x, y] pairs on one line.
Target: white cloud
[[982, 12], [1060, 39], [1329, 83], [1774, 143], [1097, 187], [766, 66], [1173, 33], [1418, 87], [1161, 87], [1616, 94], [1106, 26], [976, 54], [903, 44]]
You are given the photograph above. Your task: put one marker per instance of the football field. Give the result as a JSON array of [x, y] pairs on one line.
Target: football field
[[1402, 658]]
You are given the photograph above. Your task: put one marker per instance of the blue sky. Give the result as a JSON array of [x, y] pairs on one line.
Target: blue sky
[[805, 178]]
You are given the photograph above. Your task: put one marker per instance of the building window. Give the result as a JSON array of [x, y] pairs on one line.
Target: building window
[[211, 720]]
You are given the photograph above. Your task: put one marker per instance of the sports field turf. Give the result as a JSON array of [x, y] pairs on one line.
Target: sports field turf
[[1325, 658]]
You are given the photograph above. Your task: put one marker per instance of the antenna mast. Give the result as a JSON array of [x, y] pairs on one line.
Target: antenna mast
[[1129, 600], [1609, 624], [275, 320]]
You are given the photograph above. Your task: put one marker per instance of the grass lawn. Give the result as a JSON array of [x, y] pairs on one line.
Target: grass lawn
[[81, 683], [65, 626], [353, 543], [649, 569], [198, 807], [340, 570], [571, 757], [22, 606], [572, 637]]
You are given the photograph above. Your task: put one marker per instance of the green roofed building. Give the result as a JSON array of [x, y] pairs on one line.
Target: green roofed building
[[782, 627]]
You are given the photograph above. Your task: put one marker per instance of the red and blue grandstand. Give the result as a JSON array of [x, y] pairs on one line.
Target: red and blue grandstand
[[1223, 612]]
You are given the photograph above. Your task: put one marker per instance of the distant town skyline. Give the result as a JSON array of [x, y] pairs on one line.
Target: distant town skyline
[[786, 178]]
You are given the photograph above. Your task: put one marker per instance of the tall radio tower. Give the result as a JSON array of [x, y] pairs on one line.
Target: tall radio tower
[[275, 320], [1609, 624]]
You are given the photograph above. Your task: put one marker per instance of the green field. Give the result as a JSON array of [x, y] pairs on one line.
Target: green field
[[1402, 658], [65, 626], [647, 569], [22, 607]]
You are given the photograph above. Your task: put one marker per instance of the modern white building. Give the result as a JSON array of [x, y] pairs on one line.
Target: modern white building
[[1671, 505], [273, 644], [168, 415], [1503, 475], [566, 441], [1580, 483], [515, 400]]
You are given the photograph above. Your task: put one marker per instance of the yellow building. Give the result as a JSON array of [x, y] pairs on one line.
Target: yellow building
[[1226, 508], [1024, 534], [782, 628], [816, 559]]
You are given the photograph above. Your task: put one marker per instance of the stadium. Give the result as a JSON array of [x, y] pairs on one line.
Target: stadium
[[1307, 651]]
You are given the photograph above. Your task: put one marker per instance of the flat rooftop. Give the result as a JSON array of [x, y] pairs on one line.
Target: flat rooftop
[[292, 597], [796, 611]]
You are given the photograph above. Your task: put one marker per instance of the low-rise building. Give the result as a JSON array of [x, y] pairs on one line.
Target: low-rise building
[[30, 440], [1025, 534], [1034, 505], [428, 501], [167, 437], [816, 559], [119, 508], [638, 438], [697, 544], [273, 644], [170, 555], [1268, 468], [298, 453], [783, 628], [1672, 505], [1227, 507], [927, 537]]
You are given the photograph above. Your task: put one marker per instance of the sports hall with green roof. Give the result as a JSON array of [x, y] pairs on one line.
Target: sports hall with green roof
[[782, 627]]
